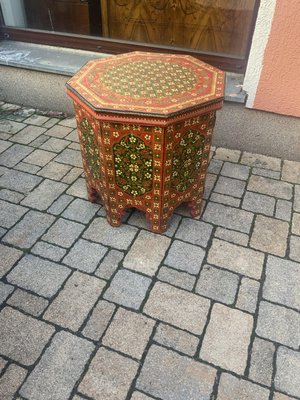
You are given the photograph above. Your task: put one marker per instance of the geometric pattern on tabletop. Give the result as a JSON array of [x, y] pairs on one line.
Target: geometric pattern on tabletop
[[145, 122]]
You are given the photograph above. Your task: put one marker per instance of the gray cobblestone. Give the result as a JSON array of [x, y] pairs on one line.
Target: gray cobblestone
[[78, 189], [215, 166], [29, 168], [69, 122], [70, 157], [72, 176], [278, 324], [85, 256], [287, 376], [29, 229], [217, 284], [138, 219], [109, 265], [271, 187], [17, 179], [177, 278], [14, 154], [5, 291], [248, 293], [9, 195], [11, 127], [54, 170], [296, 224], [129, 333], [231, 387], [295, 248], [28, 302], [128, 289], [59, 131], [228, 217], [297, 198], [261, 367], [36, 120], [81, 211], [235, 171], [63, 232], [99, 320], [261, 161], [39, 157], [4, 145], [223, 199], [259, 203], [167, 375], [284, 210], [291, 171], [267, 173], [116, 372], [48, 250], [44, 195], [195, 232], [227, 154], [10, 214], [177, 339], [2, 364], [11, 381], [209, 184], [60, 204], [54, 144], [17, 339], [72, 305], [8, 258], [59, 368], [140, 396], [28, 134], [230, 187], [232, 236], [41, 276]]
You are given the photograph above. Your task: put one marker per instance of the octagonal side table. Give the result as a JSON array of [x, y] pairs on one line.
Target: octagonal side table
[[145, 123]]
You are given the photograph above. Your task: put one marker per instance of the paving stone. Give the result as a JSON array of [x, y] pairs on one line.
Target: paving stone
[[40, 276], [128, 289], [278, 324], [14, 154], [28, 134], [227, 338], [232, 236], [209, 185], [287, 376], [5, 291], [59, 369], [36, 119], [28, 302], [100, 231], [259, 203], [81, 211], [177, 307], [63, 232], [139, 396], [261, 161], [129, 333], [261, 367], [296, 224], [11, 196], [48, 250], [2, 233], [109, 265], [54, 144], [85, 256], [227, 154], [195, 232], [283, 210], [2, 364], [10, 214], [177, 339], [69, 122], [271, 187], [54, 170], [185, 257], [236, 258], [297, 198], [223, 199], [4, 145], [214, 166], [30, 168], [44, 195], [19, 180], [230, 187], [39, 140], [235, 171], [74, 146], [29, 229], [146, 253], [72, 176], [231, 387], [3, 170], [280, 396], [99, 320], [282, 282], [11, 127], [248, 293], [228, 217], [73, 136], [267, 173], [78, 189], [180, 279], [11, 381], [139, 219], [9, 256], [217, 284], [291, 171], [39, 157], [116, 372], [70, 157], [270, 235], [59, 131], [76, 397], [295, 248], [60, 204], [168, 375], [72, 305], [17, 339], [50, 122]]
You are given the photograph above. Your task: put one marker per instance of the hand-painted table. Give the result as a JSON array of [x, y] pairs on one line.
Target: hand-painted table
[[145, 122]]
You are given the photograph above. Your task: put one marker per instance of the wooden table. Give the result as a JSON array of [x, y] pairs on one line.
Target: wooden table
[[145, 122]]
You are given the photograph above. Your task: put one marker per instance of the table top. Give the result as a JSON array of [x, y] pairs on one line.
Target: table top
[[148, 84]]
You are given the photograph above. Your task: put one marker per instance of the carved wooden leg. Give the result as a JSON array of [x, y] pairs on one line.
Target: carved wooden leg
[[195, 207], [92, 194]]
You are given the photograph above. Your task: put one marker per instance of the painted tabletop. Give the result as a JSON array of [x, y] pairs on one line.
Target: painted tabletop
[[148, 84]]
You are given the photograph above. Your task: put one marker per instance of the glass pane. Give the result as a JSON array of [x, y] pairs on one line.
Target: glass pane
[[214, 26]]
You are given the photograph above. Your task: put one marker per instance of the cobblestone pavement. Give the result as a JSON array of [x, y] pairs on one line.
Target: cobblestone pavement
[[208, 311]]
